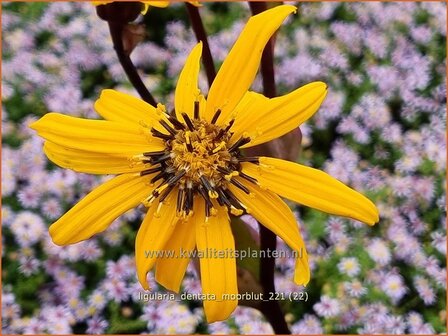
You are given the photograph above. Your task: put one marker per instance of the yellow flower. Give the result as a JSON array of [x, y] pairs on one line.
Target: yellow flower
[[187, 168], [146, 4]]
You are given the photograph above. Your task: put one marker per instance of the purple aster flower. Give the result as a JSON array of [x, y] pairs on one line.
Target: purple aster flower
[[307, 68], [394, 325], [332, 57], [58, 319], [96, 325], [116, 290], [90, 250], [425, 188], [149, 55], [52, 265], [394, 287], [34, 327], [330, 110], [192, 285], [10, 309], [7, 216], [28, 228], [335, 228], [29, 197], [219, 328], [424, 289], [244, 319], [421, 34], [349, 34], [402, 186], [392, 133], [425, 329], [376, 313], [355, 288], [115, 270], [51, 208], [169, 317], [376, 42], [379, 252], [28, 265], [113, 235], [69, 283], [349, 266], [327, 307], [414, 320], [97, 299], [348, 319], [439, 241]]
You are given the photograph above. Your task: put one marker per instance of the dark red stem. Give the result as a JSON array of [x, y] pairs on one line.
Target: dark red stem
[[116, 32], [201, 35], [268, 240]]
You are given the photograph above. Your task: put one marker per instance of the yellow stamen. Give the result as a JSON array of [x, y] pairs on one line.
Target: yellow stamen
[[147, 202], [222, 145], [159, 207], [235, 211], [161, 188], [228, 177], [213, 194]]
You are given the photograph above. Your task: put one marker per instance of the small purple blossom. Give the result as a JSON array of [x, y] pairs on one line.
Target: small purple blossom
[[96, 325], [327, 307]]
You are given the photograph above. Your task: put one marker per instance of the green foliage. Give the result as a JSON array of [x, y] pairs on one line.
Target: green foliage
[[120, 324], [28, 10], [20, 106], [157, 18], [90, 82], [315, 223]]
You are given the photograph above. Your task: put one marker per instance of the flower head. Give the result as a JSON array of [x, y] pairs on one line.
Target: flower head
[[349, 266], [188, 169], [327, 307], [129, 10]]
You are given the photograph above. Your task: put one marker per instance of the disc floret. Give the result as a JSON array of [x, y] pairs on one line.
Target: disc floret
[[199, 159]]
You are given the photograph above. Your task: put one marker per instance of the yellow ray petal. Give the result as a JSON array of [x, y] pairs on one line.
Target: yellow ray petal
[[91, 162], [146, 7], [248, 107], [99, 136], [313, 188], [98, 3], [170, 270], [95, 212], [274, 214], [121, 107], [270, 119], [240, 67], [160, 4], [118, 106], [187, 91], [218, 275], [156, 229]]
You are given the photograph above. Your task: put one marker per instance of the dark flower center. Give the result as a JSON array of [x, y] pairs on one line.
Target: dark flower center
[[200, 159]]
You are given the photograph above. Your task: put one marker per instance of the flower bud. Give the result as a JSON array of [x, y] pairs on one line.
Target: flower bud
[[122, 12]]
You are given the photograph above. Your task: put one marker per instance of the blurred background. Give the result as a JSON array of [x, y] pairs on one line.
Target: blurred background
[[381, 130]]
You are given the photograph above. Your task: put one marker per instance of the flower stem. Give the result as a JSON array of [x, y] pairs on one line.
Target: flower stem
[[201, 35], [268, 240], [116, 32], [267, 58], [270, 308]]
